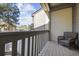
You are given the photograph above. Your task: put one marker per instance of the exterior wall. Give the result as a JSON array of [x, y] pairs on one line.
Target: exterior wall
[[61, 21], [41, 20]]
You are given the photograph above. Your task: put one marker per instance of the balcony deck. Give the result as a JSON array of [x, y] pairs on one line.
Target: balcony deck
[[54, 49], [37, 44]]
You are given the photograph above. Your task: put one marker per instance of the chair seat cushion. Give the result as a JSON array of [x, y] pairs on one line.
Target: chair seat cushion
[[64, 42]]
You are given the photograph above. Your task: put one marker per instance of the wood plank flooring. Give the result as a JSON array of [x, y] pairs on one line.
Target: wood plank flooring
[[54, 49]]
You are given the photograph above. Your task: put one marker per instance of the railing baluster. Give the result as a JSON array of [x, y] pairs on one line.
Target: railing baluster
[[41, 41], [37, 43], [14, 48], [23, 47], [40, 44], [28, 47], [2, 48], [32, 45]]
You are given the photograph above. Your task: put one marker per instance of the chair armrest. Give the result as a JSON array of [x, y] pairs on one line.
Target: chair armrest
[[60, 38], [71, 39]]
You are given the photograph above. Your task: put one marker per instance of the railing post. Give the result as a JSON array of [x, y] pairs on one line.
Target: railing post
[[2, 48], [32, 45], [37, 44], [28, 47], [40, 43], [14, 48], [23, 47]]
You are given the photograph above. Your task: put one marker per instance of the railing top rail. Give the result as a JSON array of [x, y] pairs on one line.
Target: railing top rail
[[6, 36], [20, 32]]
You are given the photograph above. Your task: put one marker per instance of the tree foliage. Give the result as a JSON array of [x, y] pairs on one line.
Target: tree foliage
[[9, 12]]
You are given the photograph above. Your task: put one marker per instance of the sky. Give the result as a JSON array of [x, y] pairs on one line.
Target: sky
[[26, 10]]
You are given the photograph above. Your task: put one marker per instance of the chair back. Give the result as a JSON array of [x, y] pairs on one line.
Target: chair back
[[72, 35]]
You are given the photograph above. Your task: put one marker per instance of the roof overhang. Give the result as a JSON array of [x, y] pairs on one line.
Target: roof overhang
[[58, 6], [45, 7]]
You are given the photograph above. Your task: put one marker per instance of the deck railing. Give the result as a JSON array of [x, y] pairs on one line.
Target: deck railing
[[36, 41]]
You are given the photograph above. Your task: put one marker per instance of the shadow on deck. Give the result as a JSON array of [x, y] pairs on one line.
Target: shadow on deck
[[54, 49]]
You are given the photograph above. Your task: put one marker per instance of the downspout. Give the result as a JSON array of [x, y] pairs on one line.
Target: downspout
[[49, 26], [73, 17], [49, 15]]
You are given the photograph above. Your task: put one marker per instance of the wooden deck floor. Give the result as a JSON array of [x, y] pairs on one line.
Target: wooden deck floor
[[54, 49]]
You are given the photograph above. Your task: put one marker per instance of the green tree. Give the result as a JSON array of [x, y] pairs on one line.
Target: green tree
[[9, 12], [31, 26]]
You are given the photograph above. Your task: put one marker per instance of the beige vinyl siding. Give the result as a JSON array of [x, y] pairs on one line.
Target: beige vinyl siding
[[61, 21], [41, 20]]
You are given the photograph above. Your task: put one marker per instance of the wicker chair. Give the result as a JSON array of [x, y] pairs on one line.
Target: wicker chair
[[69, 39]]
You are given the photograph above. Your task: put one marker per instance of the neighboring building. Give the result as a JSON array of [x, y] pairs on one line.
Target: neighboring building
[[5, 27], [41, 20]]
